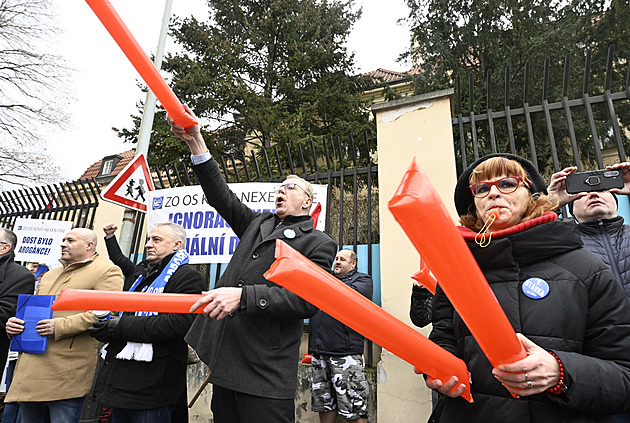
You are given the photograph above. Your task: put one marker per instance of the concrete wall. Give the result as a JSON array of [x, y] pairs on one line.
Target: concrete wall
[[419, 127]]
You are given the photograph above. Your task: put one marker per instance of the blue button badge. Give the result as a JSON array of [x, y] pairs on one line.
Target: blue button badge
[[535, 288], [289, 233]]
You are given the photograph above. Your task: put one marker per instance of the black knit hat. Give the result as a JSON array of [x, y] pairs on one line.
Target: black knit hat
[[464, 200]]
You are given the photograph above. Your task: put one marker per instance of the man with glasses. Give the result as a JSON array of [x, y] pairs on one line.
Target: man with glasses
[[601, 229], [14, 280], [251, 332]]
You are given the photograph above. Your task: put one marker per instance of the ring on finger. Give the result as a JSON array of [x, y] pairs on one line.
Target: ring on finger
[[529, 384], [526, 379]]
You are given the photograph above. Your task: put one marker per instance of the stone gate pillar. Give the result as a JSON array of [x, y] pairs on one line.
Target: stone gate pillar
[[417, 126]]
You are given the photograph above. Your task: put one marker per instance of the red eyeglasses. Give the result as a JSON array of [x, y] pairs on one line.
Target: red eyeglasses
[[506, 185]]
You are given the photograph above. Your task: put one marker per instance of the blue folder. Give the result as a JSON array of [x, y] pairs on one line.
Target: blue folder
[[32, 309]]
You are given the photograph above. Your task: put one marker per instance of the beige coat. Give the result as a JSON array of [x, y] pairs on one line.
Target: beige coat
[[66, 370]]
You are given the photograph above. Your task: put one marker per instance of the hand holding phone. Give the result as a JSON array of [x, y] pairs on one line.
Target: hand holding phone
[[597, 180]]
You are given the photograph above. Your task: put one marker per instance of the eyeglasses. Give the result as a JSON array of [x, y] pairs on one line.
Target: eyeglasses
[[290, 186], [505, 185]]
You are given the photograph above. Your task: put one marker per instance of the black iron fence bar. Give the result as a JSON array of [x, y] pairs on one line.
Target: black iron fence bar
[[611, 107], [267, 163], [37, 199], [528, 117], [70, 193], [460, 121], [329, 182], [567, 112], [314, 156], [225, 172], [67, 202], [158, 175], [290, 158], [244, 158], [256, 166], [545, 104], [238, 178], [493, 140], [471, 85], [341, 192], [279, 162], [356, 194], [507, 112], [596, 99], [589, 110]]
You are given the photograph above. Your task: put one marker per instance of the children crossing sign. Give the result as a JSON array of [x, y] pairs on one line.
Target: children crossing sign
[[131, 187]]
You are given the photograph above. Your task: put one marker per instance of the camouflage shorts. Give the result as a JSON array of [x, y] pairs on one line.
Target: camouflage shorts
[[339, 382]]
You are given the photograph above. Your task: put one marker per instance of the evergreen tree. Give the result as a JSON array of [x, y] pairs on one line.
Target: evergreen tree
[[454, 38], [264, 72]]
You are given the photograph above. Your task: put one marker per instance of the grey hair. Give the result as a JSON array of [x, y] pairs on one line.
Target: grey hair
[[9, 237], [178, 233]]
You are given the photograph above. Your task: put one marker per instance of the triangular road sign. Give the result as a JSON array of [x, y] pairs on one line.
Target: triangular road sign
[[130, 188]]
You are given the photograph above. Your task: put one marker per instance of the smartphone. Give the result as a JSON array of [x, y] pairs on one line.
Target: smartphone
[[596, 180]]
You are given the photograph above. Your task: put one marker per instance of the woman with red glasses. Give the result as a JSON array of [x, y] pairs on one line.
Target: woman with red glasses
[[568, 310]]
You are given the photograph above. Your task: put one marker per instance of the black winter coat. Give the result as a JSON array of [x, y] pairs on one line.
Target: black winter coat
[[331, 337], [144, 385], [15, 279], [609, 239], [256, 350], [130, 270], [584, 319]]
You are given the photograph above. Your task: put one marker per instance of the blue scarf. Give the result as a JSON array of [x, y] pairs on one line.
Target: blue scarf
[[144, 351], [157, 286]]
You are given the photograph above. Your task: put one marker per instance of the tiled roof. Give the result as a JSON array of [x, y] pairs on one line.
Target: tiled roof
[[385, 75], [93, 170]]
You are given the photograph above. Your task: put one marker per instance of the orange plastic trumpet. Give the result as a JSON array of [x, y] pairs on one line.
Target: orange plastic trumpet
[[425, 278], [138, 58], [304, 278], [83, 299], [418, 209]]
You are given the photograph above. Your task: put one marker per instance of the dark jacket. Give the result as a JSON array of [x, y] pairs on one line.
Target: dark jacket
[[421, 306], [331, 337], [584, 319], [14, 280], [144, 385], [256, 350], [130, 270], [609, 239]]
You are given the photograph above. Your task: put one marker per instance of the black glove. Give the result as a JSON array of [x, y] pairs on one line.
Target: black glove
[[104, 331]]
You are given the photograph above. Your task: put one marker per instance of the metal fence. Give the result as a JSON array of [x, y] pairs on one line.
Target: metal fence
[[346, 166], [581, 115], [71, 201]]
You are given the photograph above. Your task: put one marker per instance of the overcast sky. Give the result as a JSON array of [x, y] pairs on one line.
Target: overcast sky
[[103, 92]]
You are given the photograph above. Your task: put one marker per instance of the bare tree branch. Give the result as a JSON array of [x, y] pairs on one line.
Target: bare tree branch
[[31, 82]]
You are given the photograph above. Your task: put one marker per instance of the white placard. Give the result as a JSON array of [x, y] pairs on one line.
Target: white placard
[[210, 239], [39, 240]]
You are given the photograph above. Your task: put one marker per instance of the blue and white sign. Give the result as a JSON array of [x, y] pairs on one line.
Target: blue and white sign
[[535, 288], [210, 238], [39, 240]]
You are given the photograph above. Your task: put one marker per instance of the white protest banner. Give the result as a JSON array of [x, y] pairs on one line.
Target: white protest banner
[[210, 239], [39, 240]]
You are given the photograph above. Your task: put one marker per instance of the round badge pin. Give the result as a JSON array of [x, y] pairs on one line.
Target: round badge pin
[[535, 288], [289, 233]]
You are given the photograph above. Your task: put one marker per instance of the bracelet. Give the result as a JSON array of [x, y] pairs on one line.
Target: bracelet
[[560, 387]]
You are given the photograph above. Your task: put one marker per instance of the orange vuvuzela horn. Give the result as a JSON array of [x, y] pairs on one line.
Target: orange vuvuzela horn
[[83, 299], [424, 277], [138, 58], [422, 215], [307, 280]]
